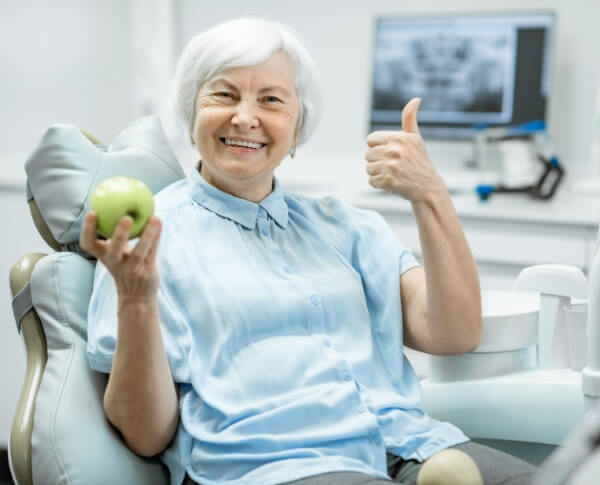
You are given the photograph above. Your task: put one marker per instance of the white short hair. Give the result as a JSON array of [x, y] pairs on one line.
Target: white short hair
[[239, 43]]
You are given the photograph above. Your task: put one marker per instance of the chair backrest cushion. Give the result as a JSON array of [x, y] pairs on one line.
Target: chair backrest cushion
[[72, 442]]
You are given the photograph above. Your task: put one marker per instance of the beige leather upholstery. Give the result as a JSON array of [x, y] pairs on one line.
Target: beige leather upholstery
[[35, 344]]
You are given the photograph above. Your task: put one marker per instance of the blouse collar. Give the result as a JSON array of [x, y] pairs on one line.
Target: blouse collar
[[239, 210]]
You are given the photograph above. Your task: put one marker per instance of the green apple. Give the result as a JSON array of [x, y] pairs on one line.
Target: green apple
[[449, 467], [120, 196]]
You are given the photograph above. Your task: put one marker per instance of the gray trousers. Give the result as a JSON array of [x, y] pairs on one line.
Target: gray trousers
[[497, 468]]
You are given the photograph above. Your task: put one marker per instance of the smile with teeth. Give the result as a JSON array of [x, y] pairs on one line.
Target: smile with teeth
[[242, 143]]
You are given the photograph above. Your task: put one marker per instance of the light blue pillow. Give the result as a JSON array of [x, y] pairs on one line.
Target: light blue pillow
[[65, 168]]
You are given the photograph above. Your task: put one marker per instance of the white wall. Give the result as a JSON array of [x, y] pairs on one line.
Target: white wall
[[64, 61], [76, 62], [339, 35]]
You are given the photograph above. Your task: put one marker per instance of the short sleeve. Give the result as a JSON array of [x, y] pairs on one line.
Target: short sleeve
[[379, 247], [364, 237], [407, 260], [102, 321], [102, 328]]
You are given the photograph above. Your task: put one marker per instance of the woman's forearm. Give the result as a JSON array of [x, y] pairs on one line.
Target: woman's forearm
[[141, 399], [443, 312], [453, 305]]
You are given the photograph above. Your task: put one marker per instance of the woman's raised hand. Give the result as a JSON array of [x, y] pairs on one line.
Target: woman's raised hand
[[397, 161], [132, 267]]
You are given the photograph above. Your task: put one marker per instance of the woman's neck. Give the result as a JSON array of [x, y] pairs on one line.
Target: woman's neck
[[244, 189]]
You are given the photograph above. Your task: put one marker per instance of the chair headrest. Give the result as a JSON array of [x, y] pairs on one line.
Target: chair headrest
[[66, 166]]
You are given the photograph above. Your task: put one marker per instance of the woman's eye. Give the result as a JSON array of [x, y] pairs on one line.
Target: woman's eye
[[272, 99], [224, 95]]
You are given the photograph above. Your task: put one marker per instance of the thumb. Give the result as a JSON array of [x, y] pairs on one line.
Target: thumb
[[409, 116]]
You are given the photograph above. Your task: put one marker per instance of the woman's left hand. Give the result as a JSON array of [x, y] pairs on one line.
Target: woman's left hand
[[398, 161]]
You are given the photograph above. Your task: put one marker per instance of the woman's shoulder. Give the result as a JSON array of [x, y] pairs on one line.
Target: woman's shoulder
[[331, 208], [172, 197]]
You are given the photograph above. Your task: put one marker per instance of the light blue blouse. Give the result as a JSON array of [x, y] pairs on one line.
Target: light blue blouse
[[282, 323]]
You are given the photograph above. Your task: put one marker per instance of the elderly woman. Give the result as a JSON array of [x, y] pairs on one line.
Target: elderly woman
[[261, 341]]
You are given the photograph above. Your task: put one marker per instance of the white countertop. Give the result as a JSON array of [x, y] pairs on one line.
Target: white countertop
[[564, 208], [350, 184]]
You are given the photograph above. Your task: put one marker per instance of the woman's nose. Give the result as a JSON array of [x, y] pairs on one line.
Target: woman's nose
[[245, 116]]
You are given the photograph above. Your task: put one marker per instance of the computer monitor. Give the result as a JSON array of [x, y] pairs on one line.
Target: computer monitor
[[470, 70]]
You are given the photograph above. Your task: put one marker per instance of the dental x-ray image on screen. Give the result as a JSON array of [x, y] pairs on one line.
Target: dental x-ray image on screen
[[468, 70]]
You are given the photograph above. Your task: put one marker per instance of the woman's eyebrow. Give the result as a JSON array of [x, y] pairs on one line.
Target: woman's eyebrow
[[275, 88], [221, 80], [231, 85]]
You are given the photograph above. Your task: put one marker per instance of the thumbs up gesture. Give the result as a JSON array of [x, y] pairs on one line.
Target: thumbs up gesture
[[397, 161]]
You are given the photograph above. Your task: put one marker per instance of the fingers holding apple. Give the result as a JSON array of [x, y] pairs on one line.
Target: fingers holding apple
[[145, 249], [118, 246], [121, 209], [87, 238]]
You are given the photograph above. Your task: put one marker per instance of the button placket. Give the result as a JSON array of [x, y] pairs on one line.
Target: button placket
[[377, 439], [316, 314], [263, 222]]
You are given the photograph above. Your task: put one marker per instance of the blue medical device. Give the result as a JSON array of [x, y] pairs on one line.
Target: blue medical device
[[552, 172]]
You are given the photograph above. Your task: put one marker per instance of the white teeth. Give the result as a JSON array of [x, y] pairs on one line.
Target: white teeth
[[240, 143]]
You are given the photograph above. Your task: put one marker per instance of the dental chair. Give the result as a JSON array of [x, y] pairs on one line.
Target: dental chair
[[59, 433]]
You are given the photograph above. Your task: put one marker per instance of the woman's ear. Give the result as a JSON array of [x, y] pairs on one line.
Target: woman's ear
[[298, 128], [292, 151]]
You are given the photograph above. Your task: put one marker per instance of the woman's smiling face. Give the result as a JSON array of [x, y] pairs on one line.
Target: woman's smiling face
[[246, 122]]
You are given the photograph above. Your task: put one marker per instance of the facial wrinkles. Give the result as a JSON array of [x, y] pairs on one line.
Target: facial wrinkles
[[288, 108], [249, 90]]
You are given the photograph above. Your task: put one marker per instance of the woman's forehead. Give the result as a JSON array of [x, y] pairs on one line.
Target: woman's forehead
[[276, 72]]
